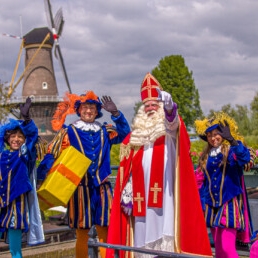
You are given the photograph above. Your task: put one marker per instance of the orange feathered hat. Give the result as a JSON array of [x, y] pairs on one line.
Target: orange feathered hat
[[149, 88], [71, 104]]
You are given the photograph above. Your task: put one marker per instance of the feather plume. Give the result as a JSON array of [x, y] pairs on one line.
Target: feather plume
[[68, 107], [218, 118]]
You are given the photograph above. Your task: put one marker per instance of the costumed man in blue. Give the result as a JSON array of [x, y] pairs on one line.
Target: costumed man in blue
[[221, 183], [91, 202], [19, 209]]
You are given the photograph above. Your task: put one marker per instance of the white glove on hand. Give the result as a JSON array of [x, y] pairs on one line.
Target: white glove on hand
[[166, 98]]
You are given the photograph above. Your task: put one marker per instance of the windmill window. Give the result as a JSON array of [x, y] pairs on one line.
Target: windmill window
[[43, 128], [44, 85]]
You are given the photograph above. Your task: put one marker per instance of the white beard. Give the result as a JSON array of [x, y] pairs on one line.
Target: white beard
[[146, 129]]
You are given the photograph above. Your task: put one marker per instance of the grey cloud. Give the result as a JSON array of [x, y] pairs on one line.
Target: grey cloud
[[108, 46]]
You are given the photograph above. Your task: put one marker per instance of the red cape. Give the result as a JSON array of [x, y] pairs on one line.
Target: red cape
[[190, 230]]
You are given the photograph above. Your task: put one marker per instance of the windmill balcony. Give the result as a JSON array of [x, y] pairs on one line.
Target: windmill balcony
[[37, 99]]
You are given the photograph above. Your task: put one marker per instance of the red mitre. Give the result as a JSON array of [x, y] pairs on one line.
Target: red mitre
[[149, 88]]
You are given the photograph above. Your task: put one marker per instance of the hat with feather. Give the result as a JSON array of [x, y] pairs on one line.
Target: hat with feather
[[70, 105], [206, 125]]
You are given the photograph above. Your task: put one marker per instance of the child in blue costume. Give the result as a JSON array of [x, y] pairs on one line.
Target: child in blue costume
[[91, 202], [221, 185], [17, 162]]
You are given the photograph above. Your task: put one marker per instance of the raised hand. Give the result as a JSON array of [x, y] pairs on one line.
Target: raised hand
[[224, 132], [203, 137], [109, 105], [166, 98], [25, 109]]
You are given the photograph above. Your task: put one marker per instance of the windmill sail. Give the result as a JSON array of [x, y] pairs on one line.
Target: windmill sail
[[59, 21], [48, 10], [61, 61], [56, 24], [11, 36]]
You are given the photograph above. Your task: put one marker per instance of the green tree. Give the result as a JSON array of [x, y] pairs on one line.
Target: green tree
[[242, 118], [254, 114], [240, 114], [4, 107], [114, 154], [136, 107], [175, 78]]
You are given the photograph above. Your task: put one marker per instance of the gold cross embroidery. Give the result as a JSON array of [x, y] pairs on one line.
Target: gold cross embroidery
[[139, 199], [148, 87], [155, 189]]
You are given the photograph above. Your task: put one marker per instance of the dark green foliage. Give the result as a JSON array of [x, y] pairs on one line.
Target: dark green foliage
[[5, 107], [136, 107], [114, 154], [252, 141], [241, 115], [254, 115], [175, 78]]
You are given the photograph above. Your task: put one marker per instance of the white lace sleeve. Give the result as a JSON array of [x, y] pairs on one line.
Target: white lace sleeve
[[127, 197]]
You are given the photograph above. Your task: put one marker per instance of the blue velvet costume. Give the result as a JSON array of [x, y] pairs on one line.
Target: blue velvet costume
[[222, 188], [15, 183], [91, 201]]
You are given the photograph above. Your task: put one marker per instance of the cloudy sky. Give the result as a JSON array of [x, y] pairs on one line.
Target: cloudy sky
[[109, 46]]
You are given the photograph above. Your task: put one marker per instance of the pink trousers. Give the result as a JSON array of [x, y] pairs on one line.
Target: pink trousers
[[254, 250], [225, 242]]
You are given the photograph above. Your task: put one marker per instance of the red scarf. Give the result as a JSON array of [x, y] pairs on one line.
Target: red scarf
[[155, 193]]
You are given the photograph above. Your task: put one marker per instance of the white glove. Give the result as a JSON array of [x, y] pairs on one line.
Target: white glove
[[166, 98]]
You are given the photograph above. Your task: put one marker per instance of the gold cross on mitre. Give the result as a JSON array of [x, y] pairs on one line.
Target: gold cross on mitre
[[155, 189], [139, 199], [149, 88]]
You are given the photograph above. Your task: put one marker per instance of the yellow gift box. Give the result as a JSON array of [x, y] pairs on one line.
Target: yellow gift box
[[63, 178]]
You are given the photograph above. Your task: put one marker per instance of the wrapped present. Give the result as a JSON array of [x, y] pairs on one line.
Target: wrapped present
[[63, 178]]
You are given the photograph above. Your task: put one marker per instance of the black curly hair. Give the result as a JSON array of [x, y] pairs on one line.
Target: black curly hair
[[8, 133]]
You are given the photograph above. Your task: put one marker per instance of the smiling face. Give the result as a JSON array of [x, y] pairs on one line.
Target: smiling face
[[88, 112], [214, 139], [16, 140], [151, 106]]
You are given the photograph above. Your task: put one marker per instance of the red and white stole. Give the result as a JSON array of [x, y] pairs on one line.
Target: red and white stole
[[155, 192]]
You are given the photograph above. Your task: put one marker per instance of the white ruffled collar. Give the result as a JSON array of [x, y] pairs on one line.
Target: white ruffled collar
[[95, 126], [215, 151]]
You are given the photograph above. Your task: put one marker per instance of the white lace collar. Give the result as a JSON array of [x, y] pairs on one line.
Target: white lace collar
[[95, 126], [215, 151]]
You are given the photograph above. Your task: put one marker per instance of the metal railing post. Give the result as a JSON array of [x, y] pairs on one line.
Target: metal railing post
[[92, 243]]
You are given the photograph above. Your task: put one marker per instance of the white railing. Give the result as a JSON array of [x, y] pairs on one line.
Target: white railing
[[22, 99]]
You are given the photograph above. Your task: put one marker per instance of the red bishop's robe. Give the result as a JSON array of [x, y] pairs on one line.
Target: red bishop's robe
[[190, 229]]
